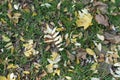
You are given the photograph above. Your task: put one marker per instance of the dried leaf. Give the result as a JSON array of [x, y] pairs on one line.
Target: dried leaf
[[16, 17], [101, 58], [58, 5], [3, 78], [81, 54], [26, 72], [98, 45], [90, 51], [103, 20], [84, 19], [94, 66], [93, 78], [49, 68], [68, 77], [112, 38], [5, 38], [70, 56], [55, 58], [57, 71], [102, 7], [115, 70], [52, 37], [12, 76], [16, 6], [12, 66], [101, 37], [43, 74], [104, 69], [46, 5], [29, 50]]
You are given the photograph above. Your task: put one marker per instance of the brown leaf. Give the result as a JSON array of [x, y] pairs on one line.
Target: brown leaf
[[103, 20], [81, 54], [104, 69], [101, 58], [112, 38], [70, 56], [43, 74], [102, 7]]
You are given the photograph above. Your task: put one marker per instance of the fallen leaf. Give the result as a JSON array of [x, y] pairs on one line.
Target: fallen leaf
[[5, 38], [70, 56], [12, 76], [93, 78], [68, 77], [49, 68], [101, 37], [40, 76], [103, 20], [98, 45], [46, 5], [84, 19], [58, 5], [3, 78], [16, 6], [94, 66], [81, 54], [57, 71], [101, 58], [90, 51], [26, 72], [104, 69], [115, 70], [112, 38], [12, 66], [102, 7]]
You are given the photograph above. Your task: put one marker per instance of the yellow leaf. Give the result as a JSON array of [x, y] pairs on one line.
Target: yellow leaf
[[12, 66], [73, 40], [34, 14], [3, 78], [16, 17], [60, 29], [3, 21], [90, 51], [26, 72], [12, 76], [94, 66], [49, 68], [9, 6], [84, 19], [22, 39], [28, 53], [57, 71]]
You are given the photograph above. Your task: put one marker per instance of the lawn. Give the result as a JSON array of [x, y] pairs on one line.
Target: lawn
[[59, 39]]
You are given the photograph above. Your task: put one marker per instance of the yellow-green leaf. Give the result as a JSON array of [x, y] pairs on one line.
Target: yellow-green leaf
[[5, 38], [12, 66], [90, 51], [3, 78]]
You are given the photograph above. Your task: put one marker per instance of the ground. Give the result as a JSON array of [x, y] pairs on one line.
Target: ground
[[59, 39]]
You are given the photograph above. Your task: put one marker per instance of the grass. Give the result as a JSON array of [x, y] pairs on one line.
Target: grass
[[30, 27]]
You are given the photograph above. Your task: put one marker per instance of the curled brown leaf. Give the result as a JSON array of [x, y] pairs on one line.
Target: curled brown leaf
[[101, 19], [112, 38]]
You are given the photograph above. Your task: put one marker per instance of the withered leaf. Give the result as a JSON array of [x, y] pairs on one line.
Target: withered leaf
[[112, 38], [102, 7], [70, 56], [43, 74], [104, 68], [101, 19], [81, 54]]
